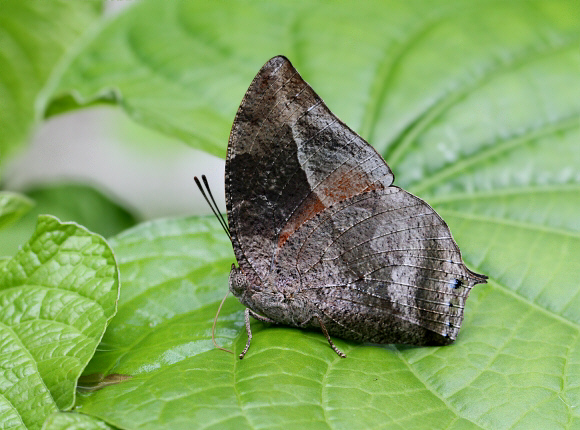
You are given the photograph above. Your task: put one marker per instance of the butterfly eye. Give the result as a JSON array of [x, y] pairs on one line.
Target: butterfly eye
[[238, 282]]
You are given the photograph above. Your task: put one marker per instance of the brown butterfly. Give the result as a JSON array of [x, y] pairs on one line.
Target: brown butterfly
[[322, 237]]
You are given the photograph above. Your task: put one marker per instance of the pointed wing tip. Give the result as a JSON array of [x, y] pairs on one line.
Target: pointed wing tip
[[278, 58], [478, 278], [276, 62], [275, 66]]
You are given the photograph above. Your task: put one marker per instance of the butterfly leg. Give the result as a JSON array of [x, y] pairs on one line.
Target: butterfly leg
[[249, 331], [332, 345], [247, 314]]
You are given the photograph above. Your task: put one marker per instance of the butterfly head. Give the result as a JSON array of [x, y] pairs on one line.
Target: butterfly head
[[239, 283]]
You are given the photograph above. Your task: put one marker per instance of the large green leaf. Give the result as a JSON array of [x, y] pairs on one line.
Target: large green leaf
[[387, 68], [34, 37], [515, 363], [57, 295], [475, 106]]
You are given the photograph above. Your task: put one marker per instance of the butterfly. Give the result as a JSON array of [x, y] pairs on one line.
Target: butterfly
[[322, 238]]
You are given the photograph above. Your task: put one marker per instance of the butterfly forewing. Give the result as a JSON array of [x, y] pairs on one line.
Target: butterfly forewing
[[289, 158]]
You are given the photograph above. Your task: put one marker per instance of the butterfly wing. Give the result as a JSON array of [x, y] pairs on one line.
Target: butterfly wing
[[386, 259], [289, 158]]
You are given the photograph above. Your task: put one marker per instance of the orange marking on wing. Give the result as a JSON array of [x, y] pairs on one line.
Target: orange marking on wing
[[342, 184], [345, 183], [307, 210]]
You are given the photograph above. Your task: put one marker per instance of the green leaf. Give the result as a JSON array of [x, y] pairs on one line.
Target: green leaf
[[57, 295], [12, 207], [69, 202], [171, 268], [34, 37], [174, 274], [73, 421], [182, 67], [475, 106], [513, 364]]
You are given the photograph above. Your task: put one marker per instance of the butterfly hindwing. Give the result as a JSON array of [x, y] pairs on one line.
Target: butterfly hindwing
[[289, 158], [384, 257]]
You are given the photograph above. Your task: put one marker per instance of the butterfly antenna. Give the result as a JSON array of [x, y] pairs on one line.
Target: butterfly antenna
[[224, 223], [214, 207], [215, 322]]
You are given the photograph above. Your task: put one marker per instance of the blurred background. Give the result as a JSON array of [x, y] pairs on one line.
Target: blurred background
[[151, 173], [100, 146]]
